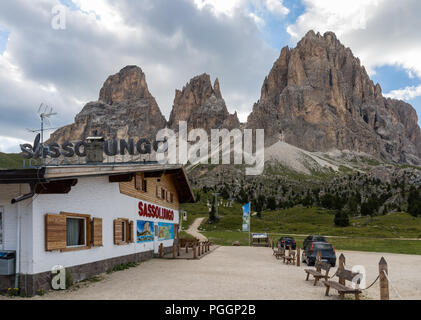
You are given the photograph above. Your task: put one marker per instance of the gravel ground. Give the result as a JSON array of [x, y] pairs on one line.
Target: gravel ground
[[240, 273]]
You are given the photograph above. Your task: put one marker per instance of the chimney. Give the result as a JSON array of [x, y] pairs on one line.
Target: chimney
[[94, 149]]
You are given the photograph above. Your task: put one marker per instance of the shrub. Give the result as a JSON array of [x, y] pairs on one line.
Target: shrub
[[341, 219]]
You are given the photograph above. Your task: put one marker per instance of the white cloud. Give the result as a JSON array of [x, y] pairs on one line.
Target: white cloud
[[379, 32], [10, 145], [258, 20], [277, 7], [221, 6], [407, 93], [172, 41]]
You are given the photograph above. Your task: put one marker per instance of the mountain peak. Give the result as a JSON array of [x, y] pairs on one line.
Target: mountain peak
[[320, 97], [128, 84]]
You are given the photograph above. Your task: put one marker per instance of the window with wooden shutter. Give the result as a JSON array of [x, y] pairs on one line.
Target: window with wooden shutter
[[118, 232], [158, 192], [55, 232], [123, 231], [144, 185], [96, 232]]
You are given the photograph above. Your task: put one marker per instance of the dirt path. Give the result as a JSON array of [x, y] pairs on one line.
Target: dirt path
[[193, 229], [240, 273]]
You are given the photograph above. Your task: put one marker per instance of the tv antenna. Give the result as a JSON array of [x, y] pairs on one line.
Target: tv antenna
[[45, 113]]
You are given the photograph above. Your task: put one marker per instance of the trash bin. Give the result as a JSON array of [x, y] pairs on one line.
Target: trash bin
[[7, 263]]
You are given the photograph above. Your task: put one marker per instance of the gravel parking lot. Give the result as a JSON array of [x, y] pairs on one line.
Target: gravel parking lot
[[240, 273]]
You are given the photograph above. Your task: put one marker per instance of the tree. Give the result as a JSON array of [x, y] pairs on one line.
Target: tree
[[414, 202], [271, 203], [341, 219]]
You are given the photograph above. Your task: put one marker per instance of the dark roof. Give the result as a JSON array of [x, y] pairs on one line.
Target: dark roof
[[59, 173], [22, 176]]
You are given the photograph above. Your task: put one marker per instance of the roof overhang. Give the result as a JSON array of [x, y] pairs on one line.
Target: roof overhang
[[59, 173]]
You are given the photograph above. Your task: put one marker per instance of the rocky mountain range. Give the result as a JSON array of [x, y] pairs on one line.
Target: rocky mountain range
[[317, 97]]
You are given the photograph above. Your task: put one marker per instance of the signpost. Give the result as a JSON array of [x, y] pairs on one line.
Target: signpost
[[247, 219]]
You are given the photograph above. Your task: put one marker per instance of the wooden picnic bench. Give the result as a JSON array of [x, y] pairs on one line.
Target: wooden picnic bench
[[279, 253], [341, 286], [317, 272], [290, 258]]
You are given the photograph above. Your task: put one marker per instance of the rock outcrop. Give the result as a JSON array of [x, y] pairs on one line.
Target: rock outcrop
[[202, 106], [318, 97], [125, 109]]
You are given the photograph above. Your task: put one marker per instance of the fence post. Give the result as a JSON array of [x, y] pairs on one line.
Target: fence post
[[384, 283], [173, 251], [341, 266], [178, 249], [194, 251], [298, 257], [160, 250], [198, 249]]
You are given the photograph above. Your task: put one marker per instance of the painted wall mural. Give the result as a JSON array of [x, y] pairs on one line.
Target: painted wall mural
[[145, 231], [166, 231]]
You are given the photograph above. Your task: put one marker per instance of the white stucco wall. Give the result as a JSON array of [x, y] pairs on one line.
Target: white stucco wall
[[10, 218], [98, 198]]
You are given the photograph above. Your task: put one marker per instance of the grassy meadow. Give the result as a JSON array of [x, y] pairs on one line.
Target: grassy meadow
[[377, 234]]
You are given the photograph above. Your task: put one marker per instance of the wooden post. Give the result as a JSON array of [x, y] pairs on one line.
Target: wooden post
[[198, 250], [203, 247], [384, 283], [160, 250], [178, 249], [341, 266], [194, 251], [298, 257]]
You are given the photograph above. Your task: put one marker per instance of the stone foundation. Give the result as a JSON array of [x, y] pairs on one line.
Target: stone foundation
[[31, 283]]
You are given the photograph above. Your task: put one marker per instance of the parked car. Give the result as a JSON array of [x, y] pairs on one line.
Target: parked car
[[288, 243], [328, 253], [313, 238]]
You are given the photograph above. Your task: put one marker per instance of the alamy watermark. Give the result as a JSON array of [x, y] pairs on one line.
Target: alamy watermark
[[193, 147], [58, 21], [58, 281]]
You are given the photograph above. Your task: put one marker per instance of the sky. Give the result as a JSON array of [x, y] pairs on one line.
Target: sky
[[64, 62]]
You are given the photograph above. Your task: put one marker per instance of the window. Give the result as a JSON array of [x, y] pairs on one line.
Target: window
[[123, 231], [140, 183], [1, 225], [72, 231], [75, 232]]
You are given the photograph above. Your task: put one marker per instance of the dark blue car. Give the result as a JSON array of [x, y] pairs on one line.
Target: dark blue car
[[288, 243], [328, 253]]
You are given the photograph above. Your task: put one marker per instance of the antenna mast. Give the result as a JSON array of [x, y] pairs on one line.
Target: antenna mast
[[45, 113]]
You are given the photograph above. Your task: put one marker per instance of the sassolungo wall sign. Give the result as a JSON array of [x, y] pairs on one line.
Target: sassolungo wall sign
[[69, 149]]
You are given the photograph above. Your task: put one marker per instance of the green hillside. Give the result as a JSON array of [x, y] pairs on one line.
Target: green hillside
[[10, 161], [365, 233]]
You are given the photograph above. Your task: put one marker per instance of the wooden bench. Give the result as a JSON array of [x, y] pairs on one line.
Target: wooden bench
[[317, 272], [290, 258], [279, 253], [341, 286]]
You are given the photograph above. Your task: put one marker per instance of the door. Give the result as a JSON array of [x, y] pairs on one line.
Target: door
[[156, 238], [1, 228]]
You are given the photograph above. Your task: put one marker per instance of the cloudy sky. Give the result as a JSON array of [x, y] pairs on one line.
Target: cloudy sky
[[174, 40]]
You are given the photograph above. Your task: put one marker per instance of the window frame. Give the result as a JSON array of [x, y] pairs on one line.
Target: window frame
[[85, 237], [87, 225], [124, 227]]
